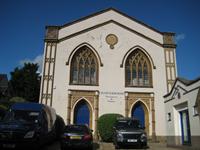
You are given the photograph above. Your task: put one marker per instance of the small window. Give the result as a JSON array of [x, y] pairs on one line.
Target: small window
[[195, 110], [168, 116], [179, 95]]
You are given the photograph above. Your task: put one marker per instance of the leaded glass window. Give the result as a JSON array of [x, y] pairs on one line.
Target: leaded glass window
[[138, 70], [84, 67]]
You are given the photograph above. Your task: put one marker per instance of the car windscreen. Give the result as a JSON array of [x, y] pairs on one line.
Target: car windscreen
[[22, 115], [127, 124], [76, 129]]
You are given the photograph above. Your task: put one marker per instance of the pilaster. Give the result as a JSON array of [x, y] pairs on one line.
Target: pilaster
[[47, 81], [170, 60]]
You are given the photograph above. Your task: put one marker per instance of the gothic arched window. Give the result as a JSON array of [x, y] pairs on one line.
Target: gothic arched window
[[84, 67], [138, 70]]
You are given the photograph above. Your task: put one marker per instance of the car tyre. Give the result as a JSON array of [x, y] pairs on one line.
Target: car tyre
[[117, 146], [90, 147], [63, 148], [144, 145]]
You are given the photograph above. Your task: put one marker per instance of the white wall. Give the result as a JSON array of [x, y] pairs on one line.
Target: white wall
[[174, 106], [107, 16], [111, 76]]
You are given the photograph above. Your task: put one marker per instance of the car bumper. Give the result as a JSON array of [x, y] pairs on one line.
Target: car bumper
[[11, 144], [129, 142], [76, 144]]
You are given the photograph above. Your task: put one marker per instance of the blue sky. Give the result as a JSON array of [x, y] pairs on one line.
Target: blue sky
[[22, 26]]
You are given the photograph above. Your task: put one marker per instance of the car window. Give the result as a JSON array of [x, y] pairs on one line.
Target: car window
[[127, 124], [22, 115], [76, 129]]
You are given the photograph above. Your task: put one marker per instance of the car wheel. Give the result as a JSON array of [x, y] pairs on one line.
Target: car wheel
[[36, 145], [90, 147], [144, 145], [63, 148], [117, 146]]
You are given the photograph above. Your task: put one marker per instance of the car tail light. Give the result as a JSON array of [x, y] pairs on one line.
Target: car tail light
[[87, 137], [65, 136]]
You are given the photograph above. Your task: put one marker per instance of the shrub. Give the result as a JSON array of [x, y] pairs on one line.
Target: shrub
[[105, 126], [17, 99]]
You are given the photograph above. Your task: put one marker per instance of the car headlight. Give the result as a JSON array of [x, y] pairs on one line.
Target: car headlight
[[29, 134], [119, 137], [143, 137]]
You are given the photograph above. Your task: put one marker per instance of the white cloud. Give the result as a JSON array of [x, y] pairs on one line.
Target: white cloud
[[180, 37], [37, 60]]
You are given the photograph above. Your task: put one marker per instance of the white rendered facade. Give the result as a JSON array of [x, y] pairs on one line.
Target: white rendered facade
[[184, 97], [110, 94]]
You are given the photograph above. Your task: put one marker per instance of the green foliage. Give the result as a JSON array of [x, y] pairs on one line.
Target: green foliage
[[17, 99], [25, 82], [3, 107], [5, 104], [105, 126]]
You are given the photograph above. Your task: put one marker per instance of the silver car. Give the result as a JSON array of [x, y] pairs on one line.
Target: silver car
[[128, 132]]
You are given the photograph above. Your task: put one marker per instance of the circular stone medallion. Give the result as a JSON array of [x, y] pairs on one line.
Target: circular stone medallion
[[111, 39]]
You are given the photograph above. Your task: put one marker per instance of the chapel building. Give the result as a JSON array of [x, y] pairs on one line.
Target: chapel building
[[109, 62]]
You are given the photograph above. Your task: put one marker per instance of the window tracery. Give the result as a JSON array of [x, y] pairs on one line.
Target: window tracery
[[138, 70], [84, 67]]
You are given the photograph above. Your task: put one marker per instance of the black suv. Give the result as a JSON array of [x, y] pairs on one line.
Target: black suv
[[128, 132]]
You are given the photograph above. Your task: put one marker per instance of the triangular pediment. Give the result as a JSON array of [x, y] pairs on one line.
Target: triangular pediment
[[181, 87], [178, 91], [105, 17]]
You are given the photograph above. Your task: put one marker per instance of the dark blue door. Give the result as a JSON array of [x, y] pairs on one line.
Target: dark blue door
[[138, 113], [82, 113], [185, 127]]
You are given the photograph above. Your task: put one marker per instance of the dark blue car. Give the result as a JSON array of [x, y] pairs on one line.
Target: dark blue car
[[27, 125], [76, 136]]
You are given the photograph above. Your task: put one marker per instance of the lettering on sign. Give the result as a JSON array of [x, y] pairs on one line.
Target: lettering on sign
[[112, 96], [112, 93]]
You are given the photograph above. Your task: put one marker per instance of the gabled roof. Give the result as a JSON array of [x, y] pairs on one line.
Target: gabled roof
[[103, 18], [113, 9], [184, 82]]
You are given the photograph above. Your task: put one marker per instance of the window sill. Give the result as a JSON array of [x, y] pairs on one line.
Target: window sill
[[127, 86], [84, 84]]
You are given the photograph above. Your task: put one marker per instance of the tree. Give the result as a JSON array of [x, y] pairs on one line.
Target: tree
[[25, 82], [17, 99]]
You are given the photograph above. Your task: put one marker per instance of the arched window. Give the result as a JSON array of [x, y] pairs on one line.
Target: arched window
[[138, 70], [84, 67]]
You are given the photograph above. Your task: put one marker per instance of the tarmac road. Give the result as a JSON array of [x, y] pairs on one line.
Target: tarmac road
[[56, 146], [109, 146]]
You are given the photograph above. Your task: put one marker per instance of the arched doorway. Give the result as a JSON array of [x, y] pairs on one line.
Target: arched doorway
[[82, 113], [139, 113]]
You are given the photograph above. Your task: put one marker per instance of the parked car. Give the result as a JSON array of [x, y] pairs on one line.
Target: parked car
[[76, 136], [27, 124], [2, 113], [128, 132], [59, 125]]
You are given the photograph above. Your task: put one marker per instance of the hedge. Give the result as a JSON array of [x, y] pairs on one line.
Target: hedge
[[105, 125]]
